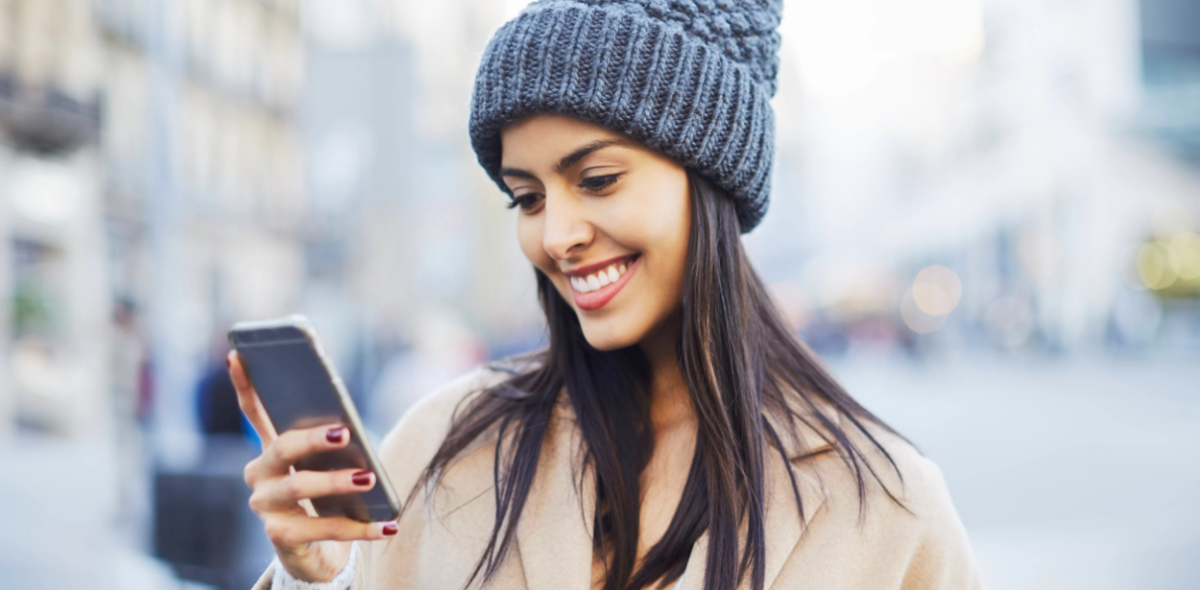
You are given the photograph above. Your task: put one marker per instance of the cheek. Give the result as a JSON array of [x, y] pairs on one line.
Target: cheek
[[659, 225], [529, 235]]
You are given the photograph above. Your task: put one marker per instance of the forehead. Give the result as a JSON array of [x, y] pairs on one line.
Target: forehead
[[539, 140]]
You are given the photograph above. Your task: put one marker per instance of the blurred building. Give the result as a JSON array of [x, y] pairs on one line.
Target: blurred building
[[197, 162], [1026, 146], [1170, 59], [204, 183], [53, 354], [412, 228], [152, 156]]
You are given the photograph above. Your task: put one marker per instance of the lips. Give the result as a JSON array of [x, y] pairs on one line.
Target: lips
[[601, 283]]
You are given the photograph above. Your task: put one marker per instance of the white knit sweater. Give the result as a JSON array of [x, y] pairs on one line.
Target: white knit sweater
[[282, 580]]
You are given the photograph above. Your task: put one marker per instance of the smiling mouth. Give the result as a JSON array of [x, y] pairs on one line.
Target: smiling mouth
[[597, 288]]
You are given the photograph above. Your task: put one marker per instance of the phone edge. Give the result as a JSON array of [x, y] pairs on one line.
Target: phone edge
[[301, 323]]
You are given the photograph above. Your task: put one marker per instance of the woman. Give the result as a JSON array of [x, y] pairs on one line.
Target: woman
[[674, 432]]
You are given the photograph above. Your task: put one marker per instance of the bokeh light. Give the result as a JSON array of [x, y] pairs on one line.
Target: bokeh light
[[937, 290], [918, 319], [1183, 254], [1153, 266]]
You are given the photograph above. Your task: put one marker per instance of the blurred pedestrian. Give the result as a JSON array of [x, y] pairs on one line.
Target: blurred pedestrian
[[674, 432], [216, 398], [130, 396]]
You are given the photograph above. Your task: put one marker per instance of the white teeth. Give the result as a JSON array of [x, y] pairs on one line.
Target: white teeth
[[598, 280]]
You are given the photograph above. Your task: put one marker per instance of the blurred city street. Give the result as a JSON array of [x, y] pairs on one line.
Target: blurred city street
[[1055, 468], [985, 216]]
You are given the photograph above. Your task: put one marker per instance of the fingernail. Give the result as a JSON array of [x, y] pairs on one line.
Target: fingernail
[[361, 478], [389, 529], [334, 435], [228, 363]]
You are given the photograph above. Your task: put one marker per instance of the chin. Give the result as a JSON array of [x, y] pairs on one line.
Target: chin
[[607, 334]]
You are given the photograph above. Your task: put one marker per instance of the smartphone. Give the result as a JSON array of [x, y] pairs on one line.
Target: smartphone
[[300, 388]]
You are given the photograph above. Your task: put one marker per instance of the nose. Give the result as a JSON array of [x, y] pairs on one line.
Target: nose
[[566, 230]]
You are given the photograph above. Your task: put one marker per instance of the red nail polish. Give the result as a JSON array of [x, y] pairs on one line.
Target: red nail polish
[[361, 478], [334, 435], [228, 363], [390, 529]]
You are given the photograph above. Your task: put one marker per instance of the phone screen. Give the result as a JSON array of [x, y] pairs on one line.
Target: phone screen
[[292, 381], [299, 390]]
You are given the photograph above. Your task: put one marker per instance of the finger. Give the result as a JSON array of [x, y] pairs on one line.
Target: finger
[[249, 401], [292, 531], [286, 493], [293, 445]]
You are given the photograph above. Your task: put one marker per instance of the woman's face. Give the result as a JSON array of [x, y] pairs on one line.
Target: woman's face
[[605, 218]]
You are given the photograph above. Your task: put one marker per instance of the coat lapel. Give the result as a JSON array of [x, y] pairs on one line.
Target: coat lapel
[[554, 535], [782, 521], [783, 526]]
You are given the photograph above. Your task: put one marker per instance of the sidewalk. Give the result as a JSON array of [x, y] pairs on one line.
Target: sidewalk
[[58, 527]]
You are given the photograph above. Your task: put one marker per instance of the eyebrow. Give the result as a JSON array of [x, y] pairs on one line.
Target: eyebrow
[[569, 160]]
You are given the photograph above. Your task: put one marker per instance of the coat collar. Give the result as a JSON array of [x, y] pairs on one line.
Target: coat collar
[[554, 534]]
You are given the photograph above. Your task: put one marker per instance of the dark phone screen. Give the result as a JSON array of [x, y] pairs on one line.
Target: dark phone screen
[[293, 384], [298, 392]]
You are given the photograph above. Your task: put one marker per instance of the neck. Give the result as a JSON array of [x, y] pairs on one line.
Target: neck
[[670, 402]]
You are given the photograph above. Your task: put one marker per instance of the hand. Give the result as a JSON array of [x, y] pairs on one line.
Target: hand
[[311, 548]]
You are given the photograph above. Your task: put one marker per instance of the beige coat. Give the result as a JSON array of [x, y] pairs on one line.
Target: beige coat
[[829, 549]]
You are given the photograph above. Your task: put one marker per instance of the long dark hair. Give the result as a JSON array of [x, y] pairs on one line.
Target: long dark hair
[[741, 364]]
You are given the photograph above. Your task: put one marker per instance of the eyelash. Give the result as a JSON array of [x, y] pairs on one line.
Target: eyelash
[[524, 201], [527, 200], [605, 182]]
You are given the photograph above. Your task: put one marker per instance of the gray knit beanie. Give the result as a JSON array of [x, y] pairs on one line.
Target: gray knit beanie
[[689, 78]]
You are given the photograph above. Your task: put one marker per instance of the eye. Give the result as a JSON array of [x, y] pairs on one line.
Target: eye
[[598, 183], [528, 202]]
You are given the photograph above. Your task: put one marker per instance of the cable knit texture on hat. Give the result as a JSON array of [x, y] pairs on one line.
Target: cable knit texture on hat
[[690, 78]]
